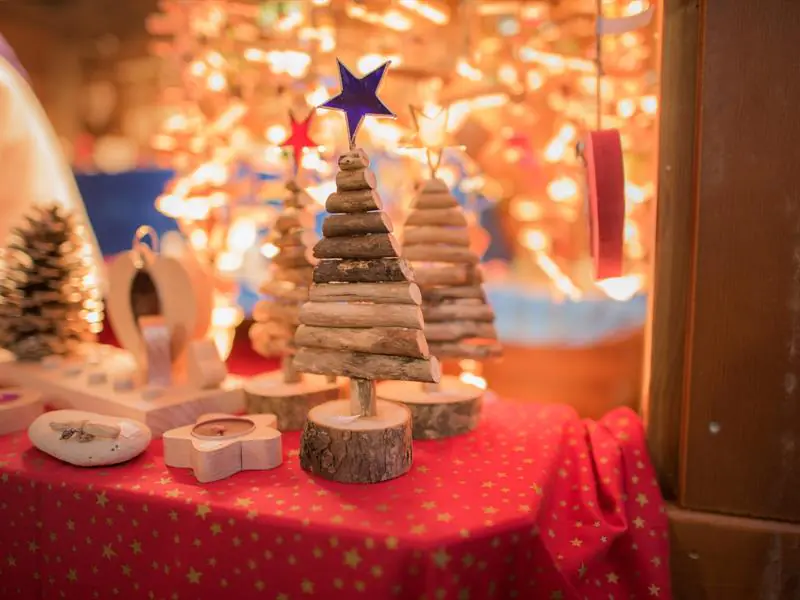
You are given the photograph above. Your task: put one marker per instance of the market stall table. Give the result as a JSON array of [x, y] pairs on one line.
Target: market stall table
[[534, 504]]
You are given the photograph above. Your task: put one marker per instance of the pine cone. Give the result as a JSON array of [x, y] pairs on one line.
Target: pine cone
[[44, 300]]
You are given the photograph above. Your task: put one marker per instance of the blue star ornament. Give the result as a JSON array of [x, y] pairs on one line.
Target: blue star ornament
[[359, 98]]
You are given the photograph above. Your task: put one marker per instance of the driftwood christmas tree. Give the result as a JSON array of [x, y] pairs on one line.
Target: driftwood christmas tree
[[47, 306], [363, 319], [288, 394], [459, 322]]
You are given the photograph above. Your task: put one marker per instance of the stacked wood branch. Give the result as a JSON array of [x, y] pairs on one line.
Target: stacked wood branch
[[363, 319], [459, 322], [276, 316]]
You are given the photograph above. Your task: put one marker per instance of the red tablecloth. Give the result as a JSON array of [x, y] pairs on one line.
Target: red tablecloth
[[535, 504]]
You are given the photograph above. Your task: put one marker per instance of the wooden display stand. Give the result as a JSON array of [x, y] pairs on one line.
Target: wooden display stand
[[289, 402], [218, 446], [18, 409], [104, 381], [363, 321], [366, 450], [448, 408]]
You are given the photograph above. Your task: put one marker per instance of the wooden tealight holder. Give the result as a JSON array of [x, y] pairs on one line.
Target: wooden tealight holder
[[441, 410], [18, 409], [289, 402], [219, 445]]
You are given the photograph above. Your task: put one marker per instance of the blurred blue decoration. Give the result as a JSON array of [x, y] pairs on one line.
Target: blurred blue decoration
[[119, 203], [528, 316]]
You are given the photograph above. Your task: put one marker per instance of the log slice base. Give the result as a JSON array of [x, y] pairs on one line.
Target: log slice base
[[454, 409], [289, 402], [336, 447]]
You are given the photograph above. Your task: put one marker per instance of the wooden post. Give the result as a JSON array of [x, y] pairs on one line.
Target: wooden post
[[722, 410], [290, 374], [362, 397]]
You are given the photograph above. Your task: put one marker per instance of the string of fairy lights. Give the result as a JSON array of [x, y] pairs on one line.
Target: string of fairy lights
[[518, 79]]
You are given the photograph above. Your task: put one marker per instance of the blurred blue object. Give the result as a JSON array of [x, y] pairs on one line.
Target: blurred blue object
[[118, 204], [529, 316]]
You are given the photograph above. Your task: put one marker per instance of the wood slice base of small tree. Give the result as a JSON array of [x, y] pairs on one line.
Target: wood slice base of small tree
[[452, 409], [338, 447], [289, 402]]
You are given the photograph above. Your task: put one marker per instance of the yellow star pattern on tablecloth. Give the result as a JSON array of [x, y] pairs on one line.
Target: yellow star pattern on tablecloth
[[194, 576], [352, 558]]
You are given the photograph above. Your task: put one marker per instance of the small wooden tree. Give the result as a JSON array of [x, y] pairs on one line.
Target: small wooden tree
[[47, 306], [288, 395], [459, 322], [287, 289], [363, 321]]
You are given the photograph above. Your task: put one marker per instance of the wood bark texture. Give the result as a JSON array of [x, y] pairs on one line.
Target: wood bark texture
[[459, 323], [353, 160], [453, 409], [440, 253], [378, 449], [380, 293], [393, 341], [427, 199], [355, 180], [451, 217], [276, 317], [367, 366], [435, 235], [363, 271], [364, 319], [361, 314], [356, 224], [359, 201], [290, 403], [372, 245]]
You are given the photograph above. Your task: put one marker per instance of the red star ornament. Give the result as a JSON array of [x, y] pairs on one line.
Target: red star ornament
[[299, 138]]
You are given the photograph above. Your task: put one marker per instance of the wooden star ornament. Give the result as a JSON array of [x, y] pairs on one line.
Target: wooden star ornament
[[359, 98], [432, 135]]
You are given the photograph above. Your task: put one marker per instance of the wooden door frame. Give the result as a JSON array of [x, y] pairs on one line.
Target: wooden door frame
[[666, 371]]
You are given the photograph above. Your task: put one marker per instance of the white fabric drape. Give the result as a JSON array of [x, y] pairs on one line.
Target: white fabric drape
[[33, 168]]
